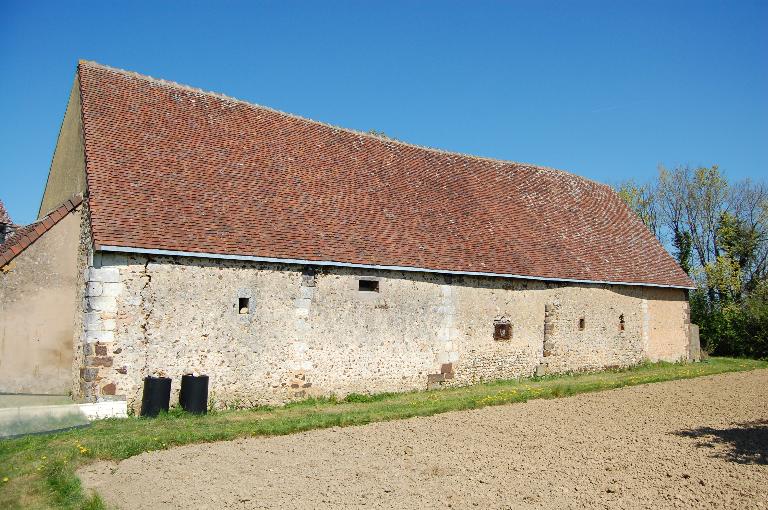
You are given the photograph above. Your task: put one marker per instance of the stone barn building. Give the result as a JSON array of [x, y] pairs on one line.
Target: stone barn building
[[183, 231]]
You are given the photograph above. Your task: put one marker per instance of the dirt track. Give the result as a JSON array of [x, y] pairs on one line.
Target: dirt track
[[686, 444]]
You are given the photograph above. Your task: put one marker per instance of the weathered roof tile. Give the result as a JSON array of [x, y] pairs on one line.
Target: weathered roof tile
[[174, 168]]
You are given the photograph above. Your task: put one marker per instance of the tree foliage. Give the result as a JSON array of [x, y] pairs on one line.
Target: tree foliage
[[641, 199], [718, 232]]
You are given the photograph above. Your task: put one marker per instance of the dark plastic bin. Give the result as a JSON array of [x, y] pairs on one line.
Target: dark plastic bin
[[193, 397], [156, 396]]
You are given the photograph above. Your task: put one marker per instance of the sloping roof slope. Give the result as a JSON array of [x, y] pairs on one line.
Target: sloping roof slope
[[175, 168], [24, 236]]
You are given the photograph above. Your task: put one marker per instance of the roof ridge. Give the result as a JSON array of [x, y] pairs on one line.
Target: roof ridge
[[219, 95]]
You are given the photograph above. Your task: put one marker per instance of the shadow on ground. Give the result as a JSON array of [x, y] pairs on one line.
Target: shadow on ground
[[745, 443]]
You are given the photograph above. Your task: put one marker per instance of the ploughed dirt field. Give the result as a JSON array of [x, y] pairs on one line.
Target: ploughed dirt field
[[699, 443]]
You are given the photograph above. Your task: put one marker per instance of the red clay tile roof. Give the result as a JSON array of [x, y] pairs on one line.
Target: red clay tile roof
[[175, 168], [23, 237]]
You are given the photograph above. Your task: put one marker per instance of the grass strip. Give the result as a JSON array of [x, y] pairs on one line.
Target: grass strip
[[38, 471]]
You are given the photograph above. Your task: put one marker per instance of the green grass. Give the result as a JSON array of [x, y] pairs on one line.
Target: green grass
[[39, 471]]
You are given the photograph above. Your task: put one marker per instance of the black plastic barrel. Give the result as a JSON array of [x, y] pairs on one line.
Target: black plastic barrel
[[193, 397], [156, 396]]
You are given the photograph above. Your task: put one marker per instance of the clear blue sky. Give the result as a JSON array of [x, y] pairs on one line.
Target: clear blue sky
[[605, 89]]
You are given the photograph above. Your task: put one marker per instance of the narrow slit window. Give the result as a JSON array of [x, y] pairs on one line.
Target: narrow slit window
[[502, 331], [368, 285], [582, 324], [621, 322], [243, 305]]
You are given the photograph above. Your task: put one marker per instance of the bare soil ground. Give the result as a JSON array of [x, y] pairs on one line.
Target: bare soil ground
[[698, 443]]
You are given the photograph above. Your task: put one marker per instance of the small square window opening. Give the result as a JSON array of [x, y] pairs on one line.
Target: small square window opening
[[243, 305], [582, 324], [621, 322], [502, 331], [368, 285]]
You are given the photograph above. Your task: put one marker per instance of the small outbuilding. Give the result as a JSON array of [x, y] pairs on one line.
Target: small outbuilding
[[184, 231]]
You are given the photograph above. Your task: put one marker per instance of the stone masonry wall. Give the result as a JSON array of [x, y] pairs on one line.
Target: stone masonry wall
[[80, 378], [268, 333], [671, 323]]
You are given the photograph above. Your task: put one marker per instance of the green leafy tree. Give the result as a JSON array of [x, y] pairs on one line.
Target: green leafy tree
[[718, 232], [683, 249], [737, 239], [724, 278], [641, 198], [755, 326]]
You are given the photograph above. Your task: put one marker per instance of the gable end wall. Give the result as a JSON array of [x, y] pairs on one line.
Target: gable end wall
[[66, 176]]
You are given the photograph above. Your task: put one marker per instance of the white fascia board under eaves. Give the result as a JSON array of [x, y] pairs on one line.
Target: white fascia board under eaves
[[175, 253]]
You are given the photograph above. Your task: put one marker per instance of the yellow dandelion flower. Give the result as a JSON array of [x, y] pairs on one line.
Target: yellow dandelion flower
[[5, 479]]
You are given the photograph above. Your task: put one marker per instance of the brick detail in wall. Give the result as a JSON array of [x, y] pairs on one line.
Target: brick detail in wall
[[102, 288]]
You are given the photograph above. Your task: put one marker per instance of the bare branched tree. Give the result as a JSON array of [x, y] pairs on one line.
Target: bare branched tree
[[718, 231]]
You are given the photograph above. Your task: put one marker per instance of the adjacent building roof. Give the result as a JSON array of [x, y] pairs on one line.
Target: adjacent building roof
[[175, 169], [23, 237], [5, 218]]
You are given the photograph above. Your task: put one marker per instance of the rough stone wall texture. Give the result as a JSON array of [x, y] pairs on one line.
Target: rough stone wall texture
[[586, 329], [38, 295], [694, 345], [306, 333], [85, 379], [668, 331]]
